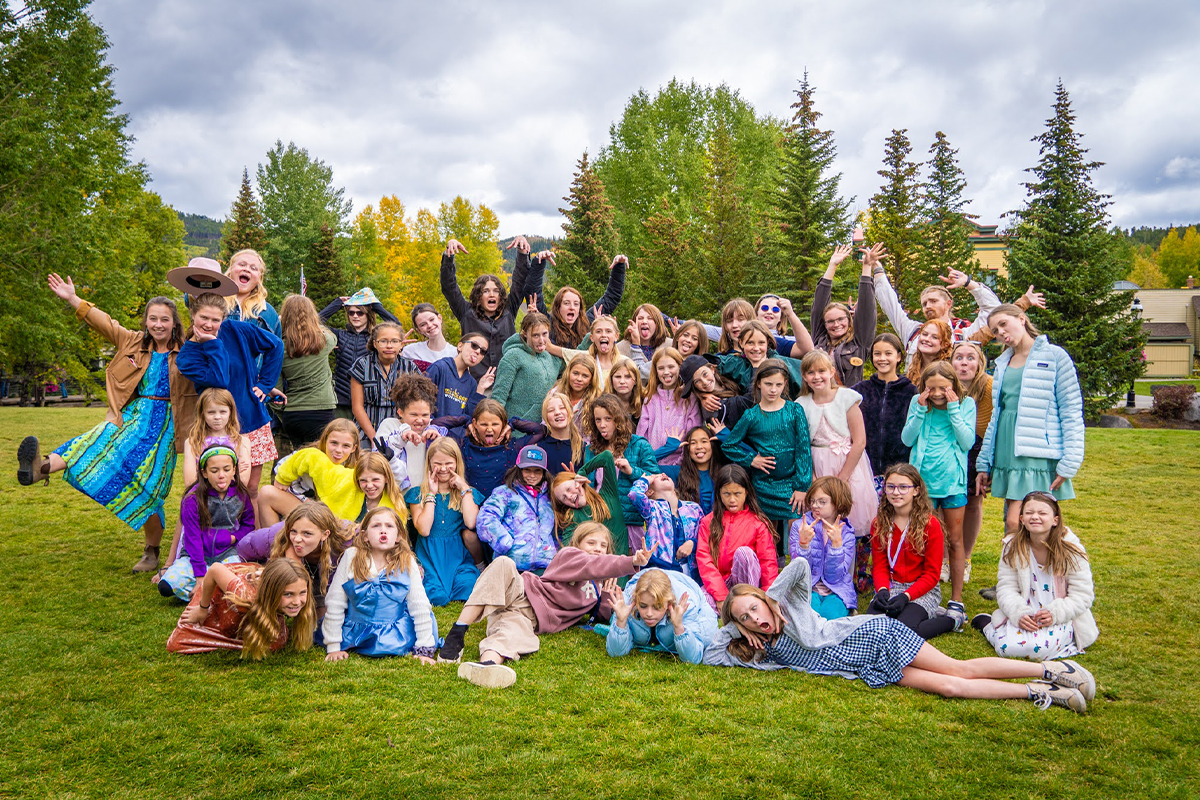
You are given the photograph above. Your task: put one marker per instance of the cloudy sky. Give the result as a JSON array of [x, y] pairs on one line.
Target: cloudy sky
[[496, 100]]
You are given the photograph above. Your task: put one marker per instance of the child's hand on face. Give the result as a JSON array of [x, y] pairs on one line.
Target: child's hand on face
[[676, 610], [754, 639], [923, 397], [460, 483], [951, 397], [684, 550], [763, 463], [616, 598], [337, 655]]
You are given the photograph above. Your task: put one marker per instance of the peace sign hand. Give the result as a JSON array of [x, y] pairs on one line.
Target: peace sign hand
[[833, 532], [676, 611], [807, 531]]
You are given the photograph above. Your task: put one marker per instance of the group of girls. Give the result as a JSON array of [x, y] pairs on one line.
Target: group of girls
[[567, 474]]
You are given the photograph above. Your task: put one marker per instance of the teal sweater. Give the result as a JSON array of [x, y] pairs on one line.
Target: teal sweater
[[641, 458], [940, 440], [523, 379]]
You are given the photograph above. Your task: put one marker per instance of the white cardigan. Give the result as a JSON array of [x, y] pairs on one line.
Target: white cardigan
[[834, 411], [336, 604], [1075, 591]]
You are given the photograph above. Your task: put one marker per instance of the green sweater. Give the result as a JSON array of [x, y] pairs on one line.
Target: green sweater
[[523, 379], [610, 492], [641, 458], [308, 381]]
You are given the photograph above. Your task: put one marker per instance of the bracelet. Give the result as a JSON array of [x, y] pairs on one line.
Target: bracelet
[[428, 652], [430, 498], [207, 607]]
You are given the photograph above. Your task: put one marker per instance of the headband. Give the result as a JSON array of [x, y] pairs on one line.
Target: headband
[[217, 450]]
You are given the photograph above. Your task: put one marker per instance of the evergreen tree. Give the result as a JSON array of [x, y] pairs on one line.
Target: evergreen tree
[[944, 241], [809, 215], [244, 228], [590, 238], [895, 215], [324, 273], [1061, 242], [670, 258], [728, 241]]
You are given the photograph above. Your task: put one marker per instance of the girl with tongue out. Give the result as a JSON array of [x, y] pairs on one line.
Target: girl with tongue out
[[247, 269]]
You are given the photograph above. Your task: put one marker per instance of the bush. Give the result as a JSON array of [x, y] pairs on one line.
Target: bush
[[1170, 402]]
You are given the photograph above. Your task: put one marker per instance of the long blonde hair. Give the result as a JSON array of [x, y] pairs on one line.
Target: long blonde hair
[[377, 464], [319, 515], [341, 426], [626, 363], [257, 301], [399, 558], [200, 431], [444, 446], [262, 622], [564, 515], [593, 388], [303, 332], [575, 436], [652, 387], [655, 583]]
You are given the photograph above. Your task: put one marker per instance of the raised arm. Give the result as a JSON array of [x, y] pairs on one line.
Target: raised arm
[[520, 277], [866, 312], [889, 301], [616, 288], [449, 280]]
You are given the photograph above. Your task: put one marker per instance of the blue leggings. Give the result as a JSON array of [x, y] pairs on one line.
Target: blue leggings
[[829, 606]]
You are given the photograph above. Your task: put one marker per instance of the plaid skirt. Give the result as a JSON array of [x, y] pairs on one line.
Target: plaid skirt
[[876, 652]]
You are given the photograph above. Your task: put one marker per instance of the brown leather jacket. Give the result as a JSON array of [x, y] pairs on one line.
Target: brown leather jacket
[[129, 363]]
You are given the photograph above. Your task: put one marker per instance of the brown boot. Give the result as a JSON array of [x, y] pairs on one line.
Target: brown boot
[[31, 465], [149, 561]]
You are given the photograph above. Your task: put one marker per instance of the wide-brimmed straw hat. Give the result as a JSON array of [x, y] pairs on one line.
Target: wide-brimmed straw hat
[[201, 276]]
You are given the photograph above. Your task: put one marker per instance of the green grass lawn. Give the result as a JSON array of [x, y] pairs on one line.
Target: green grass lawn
[[92, 705], [1143, 386]]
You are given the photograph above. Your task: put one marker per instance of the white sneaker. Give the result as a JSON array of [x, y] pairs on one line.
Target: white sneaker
[[490, 676], [1045, 695], [1072, 675], [945, 572]]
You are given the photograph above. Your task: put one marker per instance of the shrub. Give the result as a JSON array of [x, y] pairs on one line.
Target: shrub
[[1170, 402]]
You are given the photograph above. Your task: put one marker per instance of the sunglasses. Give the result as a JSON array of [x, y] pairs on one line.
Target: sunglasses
[[478, 347], [353, 313], [769, 307]]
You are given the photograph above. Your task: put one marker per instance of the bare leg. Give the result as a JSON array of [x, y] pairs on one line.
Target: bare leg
[[273, 505], [954, 538], [950, 686], [1012, 517], [55, 462], [972, 522], [471, 541], [169, 559], [470, 614], [252, 487], [930, 659], [153, 531], [491, 655]]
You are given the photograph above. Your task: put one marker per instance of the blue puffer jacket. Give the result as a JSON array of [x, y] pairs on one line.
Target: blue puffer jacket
[[1049, 412], [519, 525], [699, 623]]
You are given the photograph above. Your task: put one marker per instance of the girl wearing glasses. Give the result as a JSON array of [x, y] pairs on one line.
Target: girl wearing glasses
[[372, 378], [362, 310], [906, 552], [845, 334]]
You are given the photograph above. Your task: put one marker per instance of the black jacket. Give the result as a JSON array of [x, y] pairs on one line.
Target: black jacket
[[498, 328], [351, 346], [885, 410]]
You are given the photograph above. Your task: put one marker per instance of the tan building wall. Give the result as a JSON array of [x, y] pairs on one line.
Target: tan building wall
[[1171, 305], [1168, 360]]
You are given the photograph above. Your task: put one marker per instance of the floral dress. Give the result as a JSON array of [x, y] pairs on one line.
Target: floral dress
[[1056, 641]]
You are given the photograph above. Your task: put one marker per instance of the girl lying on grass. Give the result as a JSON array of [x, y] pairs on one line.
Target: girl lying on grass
[[521, 606], [659, 610], [247, 607], [778, 629]]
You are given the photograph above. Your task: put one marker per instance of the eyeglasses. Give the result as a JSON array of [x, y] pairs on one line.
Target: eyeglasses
[[769, 307], [893, 488], [387, 341], [478, 347], [353, 313]]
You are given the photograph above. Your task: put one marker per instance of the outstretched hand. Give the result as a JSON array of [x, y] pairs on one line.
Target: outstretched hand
[[676, 611], [454, 246], [874, 255], [955, 279], [519, 242], [64, 289], [1034, 298], [840, 254], [616, 598]]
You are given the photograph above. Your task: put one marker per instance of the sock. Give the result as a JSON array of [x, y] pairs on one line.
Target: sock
[[453, 646], [488, 663], [164, 589]]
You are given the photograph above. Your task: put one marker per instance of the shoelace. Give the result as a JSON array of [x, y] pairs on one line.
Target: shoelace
[[1042, 698]]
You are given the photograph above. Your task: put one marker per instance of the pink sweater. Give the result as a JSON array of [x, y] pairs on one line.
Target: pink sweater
[[564, 594], [662, 414]]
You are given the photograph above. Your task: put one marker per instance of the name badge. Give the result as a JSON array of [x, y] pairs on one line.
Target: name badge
[[1043, 364], [855, 361]]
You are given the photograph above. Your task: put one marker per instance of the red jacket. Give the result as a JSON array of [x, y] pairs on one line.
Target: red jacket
[[742, 529], [923, 571]]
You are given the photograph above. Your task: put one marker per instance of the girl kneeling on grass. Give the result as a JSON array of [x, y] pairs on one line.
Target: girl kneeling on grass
[[246, 607], [659, 610], [376, 605], [736, 542], [1044, 588], [520, 606], [778, 629]]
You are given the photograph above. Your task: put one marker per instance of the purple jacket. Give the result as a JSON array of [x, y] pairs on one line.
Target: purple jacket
[[517, 524], [832, 566], [232, 518]]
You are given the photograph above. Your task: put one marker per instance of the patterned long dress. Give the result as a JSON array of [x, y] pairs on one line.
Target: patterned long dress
[[128, 469]]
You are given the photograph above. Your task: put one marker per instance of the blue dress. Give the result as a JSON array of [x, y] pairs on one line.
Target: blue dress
[[128, 469], [450, 571], [377, 620]]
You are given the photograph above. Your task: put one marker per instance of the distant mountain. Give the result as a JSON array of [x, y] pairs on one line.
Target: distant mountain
[[202, 234], [536, 244]]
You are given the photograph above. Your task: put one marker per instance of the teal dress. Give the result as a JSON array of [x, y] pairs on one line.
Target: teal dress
[[1015, 476], [450, 571], [784, 435], [128, 469]]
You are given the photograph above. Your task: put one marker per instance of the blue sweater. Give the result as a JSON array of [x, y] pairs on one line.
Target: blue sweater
[[940, 439], [227, 362], [456, 395]]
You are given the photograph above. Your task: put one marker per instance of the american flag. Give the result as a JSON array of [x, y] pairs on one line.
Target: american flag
[[303, 282]]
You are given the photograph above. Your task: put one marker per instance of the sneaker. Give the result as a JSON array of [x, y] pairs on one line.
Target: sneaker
[[452, 647], [489, 675], [981, 621], [1071, 675], [945, 572], [958, 613], [29, 461], [149, 560], [1045, 695], [989, 593]]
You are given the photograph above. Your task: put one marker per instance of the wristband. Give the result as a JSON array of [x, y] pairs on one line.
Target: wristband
[[207, 607]]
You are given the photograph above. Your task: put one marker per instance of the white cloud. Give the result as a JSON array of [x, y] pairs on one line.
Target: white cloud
[[496, 102]]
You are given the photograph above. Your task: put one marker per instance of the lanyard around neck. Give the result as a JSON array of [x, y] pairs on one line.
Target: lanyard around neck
[[892, 559]]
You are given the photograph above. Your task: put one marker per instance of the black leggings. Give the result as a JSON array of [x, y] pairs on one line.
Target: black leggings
[[915, 618], [304, 427]]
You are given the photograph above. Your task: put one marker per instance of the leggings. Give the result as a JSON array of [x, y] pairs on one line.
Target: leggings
[[917, 619]]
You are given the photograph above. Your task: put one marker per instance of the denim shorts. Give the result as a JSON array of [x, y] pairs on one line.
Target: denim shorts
[[951, 502]]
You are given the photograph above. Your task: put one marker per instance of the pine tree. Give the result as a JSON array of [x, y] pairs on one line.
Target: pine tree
[[809, 215], [670, 259], [727, 242], [590, 238], [326, 278], [895, 215], [1061, 243], [244, 228], [944, 242]]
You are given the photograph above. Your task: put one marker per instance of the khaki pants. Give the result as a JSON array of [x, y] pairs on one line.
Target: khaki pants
[[511, 624]]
